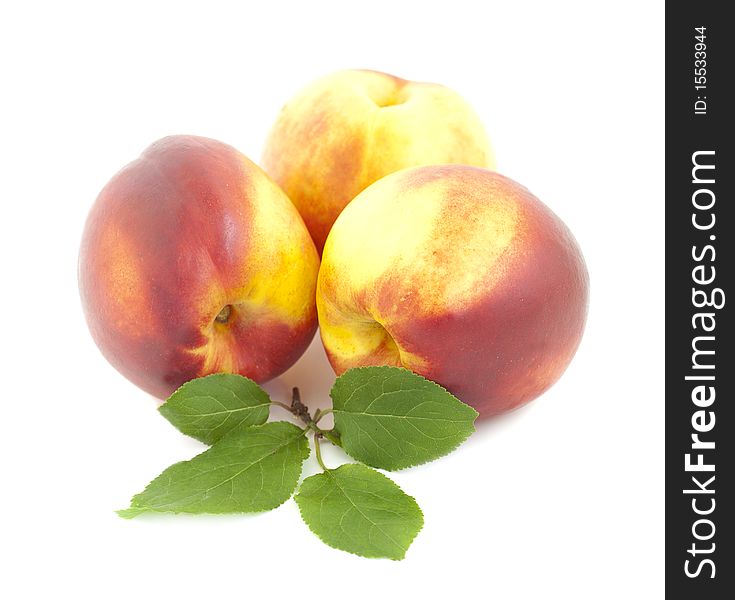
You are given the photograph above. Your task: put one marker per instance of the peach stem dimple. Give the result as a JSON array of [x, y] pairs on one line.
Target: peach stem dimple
[[393, 97], [224, 314], [393, 100]]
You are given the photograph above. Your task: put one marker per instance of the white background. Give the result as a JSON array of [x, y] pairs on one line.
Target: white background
[[562, 499]]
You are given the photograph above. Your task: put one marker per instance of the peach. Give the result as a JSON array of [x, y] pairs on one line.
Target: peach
[[460, 275], [193, 262], [349, 129]]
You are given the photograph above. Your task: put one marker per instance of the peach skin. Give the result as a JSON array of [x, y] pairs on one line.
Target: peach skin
[[194, 262], [459, 274], [349, 129]]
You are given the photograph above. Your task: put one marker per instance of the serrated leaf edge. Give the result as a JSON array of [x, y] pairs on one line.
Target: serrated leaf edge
[[434, 383], [213, 375], [164, 404], [133, 511], [421, 512], [373, 367], [393, 368], [412, 464]]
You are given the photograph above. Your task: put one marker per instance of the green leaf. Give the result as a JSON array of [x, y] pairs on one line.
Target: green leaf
[[391, 418], [209, 407], [356, 509], [248, 470]]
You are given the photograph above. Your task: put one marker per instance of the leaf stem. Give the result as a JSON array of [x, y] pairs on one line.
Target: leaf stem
[[301, 411], [282, 405], [318, 449], [320, 413]]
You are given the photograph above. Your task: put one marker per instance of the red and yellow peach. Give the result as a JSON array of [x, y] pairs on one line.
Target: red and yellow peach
[[193, 262], [460, 275]]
